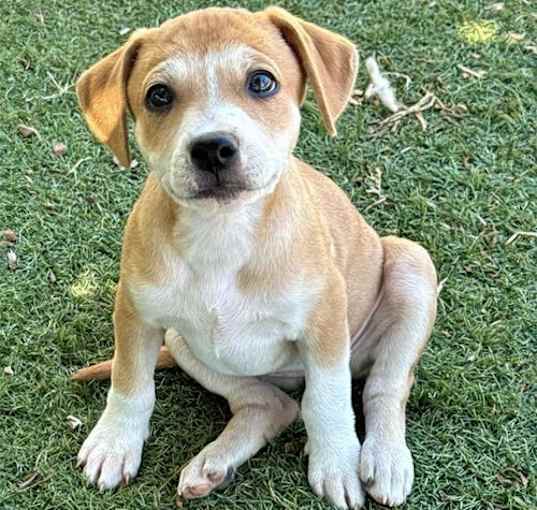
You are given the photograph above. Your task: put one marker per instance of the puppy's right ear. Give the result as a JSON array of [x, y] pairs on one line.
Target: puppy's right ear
[[102, 94]]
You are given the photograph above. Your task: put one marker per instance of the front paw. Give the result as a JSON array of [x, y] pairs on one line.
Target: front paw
[[387, 470], [112, 453], [335, 477]]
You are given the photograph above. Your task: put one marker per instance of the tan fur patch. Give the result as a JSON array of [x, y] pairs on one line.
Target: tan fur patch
[[150, 226], [128, 346], [327, 334]]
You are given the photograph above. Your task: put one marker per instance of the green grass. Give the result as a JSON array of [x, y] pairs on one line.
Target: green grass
[[461, 189]]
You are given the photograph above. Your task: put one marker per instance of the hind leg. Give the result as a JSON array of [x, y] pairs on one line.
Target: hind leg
[[260, 412], [394, 341]]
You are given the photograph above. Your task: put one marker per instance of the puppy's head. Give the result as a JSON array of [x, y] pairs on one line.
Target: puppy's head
[[215, 95]]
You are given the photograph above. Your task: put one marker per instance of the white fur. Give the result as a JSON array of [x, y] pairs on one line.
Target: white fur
[[113, 450], [228, 331], [333, 447], [387, 469]]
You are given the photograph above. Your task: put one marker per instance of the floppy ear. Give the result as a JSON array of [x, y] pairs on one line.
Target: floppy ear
[[102, 94], [329, 61]]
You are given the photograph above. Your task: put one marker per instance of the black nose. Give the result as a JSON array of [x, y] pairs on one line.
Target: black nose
[[214, 152]]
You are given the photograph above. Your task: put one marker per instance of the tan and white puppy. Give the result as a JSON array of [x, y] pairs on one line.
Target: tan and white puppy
[[260, 263]]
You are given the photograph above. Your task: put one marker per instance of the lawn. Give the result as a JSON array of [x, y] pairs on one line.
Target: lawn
[[466, 188]]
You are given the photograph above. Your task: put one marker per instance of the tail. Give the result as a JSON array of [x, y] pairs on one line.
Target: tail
[[103, 370]]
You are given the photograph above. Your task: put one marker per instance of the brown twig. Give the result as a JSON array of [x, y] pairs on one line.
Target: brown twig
[[428, 101], [471, 72]]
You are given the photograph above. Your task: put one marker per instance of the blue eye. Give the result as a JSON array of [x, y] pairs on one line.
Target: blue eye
[[262, 84], [159, 97]]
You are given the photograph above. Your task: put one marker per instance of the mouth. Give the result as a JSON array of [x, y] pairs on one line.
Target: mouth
[[223, 192], [219, 192]]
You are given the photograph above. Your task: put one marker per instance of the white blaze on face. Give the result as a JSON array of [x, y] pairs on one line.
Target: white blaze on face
[[264, 150]]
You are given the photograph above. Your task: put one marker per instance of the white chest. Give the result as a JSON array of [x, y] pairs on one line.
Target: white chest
[[230, 331]]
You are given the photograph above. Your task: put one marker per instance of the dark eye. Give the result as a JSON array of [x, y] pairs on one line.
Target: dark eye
[[159, 97], [262, 84]]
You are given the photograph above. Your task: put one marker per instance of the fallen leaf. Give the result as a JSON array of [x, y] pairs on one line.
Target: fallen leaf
[[73, 422], [11, 260], [514, 37], [39, 16], [134, 164], [51, 277], [466, 160], [29, 480], [26, 131], [59, 149], [10, 236], [8, 371], [532, 48], [124, 31], [496, 7]]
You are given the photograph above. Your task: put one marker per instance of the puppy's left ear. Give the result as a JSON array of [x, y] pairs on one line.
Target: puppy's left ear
[[329, 61], [102, 94]]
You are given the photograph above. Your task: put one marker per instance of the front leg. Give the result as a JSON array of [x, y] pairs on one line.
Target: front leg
[[333, 446], [112, 453]]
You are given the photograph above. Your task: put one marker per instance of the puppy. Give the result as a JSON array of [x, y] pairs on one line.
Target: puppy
[[253, 268]]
